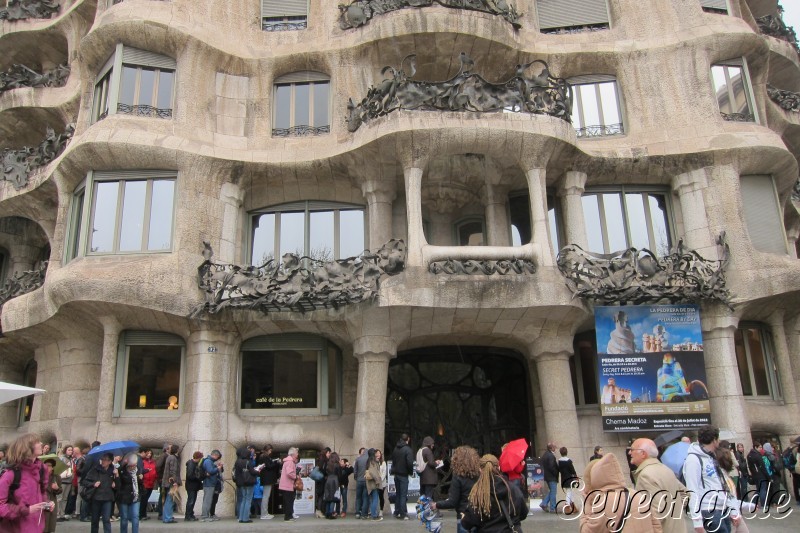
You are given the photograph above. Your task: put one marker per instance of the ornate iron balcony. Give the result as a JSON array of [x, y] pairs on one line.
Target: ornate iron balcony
[[19, 164], [485, 267], [599, 131], [283, 25], [532, 90], [18, 76], [142, 111], [360, 12], [23, 283], [576, 29], [786, 99], [300, 131], [29, 9], [775, 27], [738, 117]]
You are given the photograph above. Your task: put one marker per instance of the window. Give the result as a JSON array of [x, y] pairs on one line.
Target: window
[[135, 82], [762, 214], [290, 374], [595, 106], [620, 218], [128, 212], [28, 380], [715, 6], [3, 267], [520, 215], [282, 15], [470, 232], [732, 87], [568, 16], [583, 367], [754, 357], [149, 373], [302, 104], [320, 230]]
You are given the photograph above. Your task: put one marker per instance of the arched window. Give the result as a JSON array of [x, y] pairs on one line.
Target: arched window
[[301, 105], [290, 374]]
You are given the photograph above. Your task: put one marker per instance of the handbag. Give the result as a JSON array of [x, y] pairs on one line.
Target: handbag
[[511, 525], [298, 484], [316, 474]]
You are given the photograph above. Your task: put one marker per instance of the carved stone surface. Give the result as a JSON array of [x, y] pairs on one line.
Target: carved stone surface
[[297, 283], [23, 283], [528, 91], [775, 27], [18, 164], [639, 277], [786, 99], [21, 76], [483, 267], [360, 12], [29, 9]]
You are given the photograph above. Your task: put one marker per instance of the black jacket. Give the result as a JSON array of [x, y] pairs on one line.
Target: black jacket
[[344, 476], [496, 522], [125, 483], [549, 466], [567, 471], [458, 496], [271, 471], [402, 459], [755, 465], [244, 475], [191, 481], [105, 492]]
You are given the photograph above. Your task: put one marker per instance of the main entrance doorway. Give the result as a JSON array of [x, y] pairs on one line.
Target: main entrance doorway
[[458, 395]]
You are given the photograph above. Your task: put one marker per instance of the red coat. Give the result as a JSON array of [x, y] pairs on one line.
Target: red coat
[[150, 476]]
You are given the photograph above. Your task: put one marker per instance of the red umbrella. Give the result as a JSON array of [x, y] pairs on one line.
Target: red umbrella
[[512, 455]]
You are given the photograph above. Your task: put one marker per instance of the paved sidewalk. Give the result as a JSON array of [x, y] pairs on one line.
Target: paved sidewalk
[[536, 521]]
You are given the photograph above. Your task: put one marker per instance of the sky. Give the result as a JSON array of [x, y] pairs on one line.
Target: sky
[[791, 13]]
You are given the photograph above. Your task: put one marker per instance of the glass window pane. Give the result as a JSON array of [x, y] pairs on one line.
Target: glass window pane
[[263, 246], [741, 362], [470, 234], [161, 207], [591, 113], [591, 217], [283, 95], [77, 222], [757, 358], [165, 79], [153, 377], [608, 95], [737, 81], [516, 240], [321, 228], [283, 379], [147, 81], [104, 216], [351, 233], [321, 91], [637, 223], [612, 210], [576, 104], [130, 238], [554, 237], [127, 87], [301, 104], [292, 239], [658, 215], [721, 88], [520, 214], [333, 379]]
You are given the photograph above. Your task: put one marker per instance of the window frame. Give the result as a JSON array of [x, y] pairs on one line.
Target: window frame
[[622, 190], [292, 80], [154, 338], [774, 390], [308, 207], [576, 366], [108, 83], [469, 219], [740, 62], [296, 341], [605, 130], [715, 10], [78, 238], [279, 17]]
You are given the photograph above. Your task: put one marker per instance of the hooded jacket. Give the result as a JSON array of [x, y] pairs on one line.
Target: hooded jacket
[[15, 515], [402, 459], [509, 495], [707, 491], [608, 501], [244, 475], [429, 475]]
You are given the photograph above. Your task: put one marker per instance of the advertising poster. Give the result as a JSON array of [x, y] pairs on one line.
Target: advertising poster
[[413, 485], [304, 502], [651, 369], [536, 484]]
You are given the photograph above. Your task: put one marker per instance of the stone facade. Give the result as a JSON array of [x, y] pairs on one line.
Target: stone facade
[[417, 173]]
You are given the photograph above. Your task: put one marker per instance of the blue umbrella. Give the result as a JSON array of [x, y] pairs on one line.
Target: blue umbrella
[[675, 455], [117, 447]]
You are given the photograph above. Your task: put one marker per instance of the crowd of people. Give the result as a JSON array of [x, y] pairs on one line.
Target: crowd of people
[[39, 488]]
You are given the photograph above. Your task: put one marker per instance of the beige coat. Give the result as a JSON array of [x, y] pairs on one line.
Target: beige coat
[[605, 499], [666, 493]]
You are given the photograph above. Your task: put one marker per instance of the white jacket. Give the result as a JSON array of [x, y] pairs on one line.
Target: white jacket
[[707, 491]]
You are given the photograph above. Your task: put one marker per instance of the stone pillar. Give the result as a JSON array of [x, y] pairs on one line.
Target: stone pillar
[[551, 355], [793, 344], [373, 354], [73, 369], [792, 234], [22, 258], [380, 195], [416, 235], [497, 224], [538, 198], [108, 369], [231, 196], [728, 408], [783, 365], [570, 192], [697, 235]]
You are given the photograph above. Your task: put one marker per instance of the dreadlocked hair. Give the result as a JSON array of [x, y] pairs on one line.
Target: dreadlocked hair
[[483, 492]]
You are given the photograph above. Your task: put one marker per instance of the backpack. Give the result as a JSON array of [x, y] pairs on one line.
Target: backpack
[[789, 459], [420, 466], [200, 472], [12, 488], [767, 465], [195, 471], [682, 477]]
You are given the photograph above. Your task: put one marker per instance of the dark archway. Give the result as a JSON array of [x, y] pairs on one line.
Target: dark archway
[[459, 395]]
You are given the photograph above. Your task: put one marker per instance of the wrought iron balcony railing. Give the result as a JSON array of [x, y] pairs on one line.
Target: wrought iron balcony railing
[[29, 9], [18, 76], [360, 12], [788, 100], [18, 164], [282, 24], [599, 131], [300, 131], [775, 27], [738, 117], [576, 29], [143, 111]]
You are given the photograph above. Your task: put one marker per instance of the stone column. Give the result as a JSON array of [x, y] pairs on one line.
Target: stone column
[[416, 235], [231, 196], [22, 258], [497, 223], [697, 235], [570, 192], [783, 366], [108, 368], [538, 198], [793, 344], [551, 355], [380, 195], [792, 234], [728, 408], [373, 354]]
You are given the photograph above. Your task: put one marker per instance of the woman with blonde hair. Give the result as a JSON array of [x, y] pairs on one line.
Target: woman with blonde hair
[[495, 505], [465, 466], [21, 509]]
